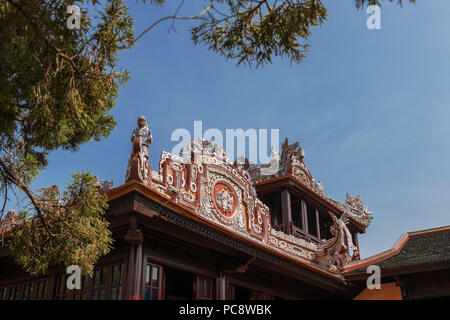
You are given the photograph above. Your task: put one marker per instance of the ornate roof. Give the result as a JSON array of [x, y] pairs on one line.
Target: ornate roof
[[204, 180], [289, 162]]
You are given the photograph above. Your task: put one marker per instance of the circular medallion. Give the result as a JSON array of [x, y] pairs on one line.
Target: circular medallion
[[225, 199]]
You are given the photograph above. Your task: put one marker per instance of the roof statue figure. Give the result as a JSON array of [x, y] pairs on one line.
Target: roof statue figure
[[144, 133], [138, 168]]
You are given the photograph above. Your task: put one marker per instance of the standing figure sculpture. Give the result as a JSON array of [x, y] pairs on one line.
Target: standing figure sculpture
[[138, 167]]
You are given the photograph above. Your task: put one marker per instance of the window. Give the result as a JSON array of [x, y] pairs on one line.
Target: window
[[27, 291], [13, 293], [105, 283], [62, 293], [82, 293], [152, 282], [41, 289], [9, 293], [34, 290], [3, 293], [99, 283], [116, 282], [204, 288]]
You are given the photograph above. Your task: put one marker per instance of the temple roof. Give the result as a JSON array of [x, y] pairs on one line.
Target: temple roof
[[413, 250]]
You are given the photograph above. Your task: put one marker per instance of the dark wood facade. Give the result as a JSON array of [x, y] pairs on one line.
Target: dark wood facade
[[160, 252]]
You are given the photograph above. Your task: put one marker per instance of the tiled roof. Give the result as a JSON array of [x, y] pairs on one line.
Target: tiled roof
[[414, 249]]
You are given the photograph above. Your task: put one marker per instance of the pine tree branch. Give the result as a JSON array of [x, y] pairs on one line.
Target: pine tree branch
[[16, 181], [175, 17]]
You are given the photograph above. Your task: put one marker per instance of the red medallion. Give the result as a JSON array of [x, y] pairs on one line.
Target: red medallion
[[225, 199]]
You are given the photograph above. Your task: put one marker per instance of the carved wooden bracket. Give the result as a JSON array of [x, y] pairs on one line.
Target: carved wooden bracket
[[134, 235]]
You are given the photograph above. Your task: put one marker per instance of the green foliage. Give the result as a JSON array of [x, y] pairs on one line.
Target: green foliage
[[253, 32], [57, 87], [75, 231]]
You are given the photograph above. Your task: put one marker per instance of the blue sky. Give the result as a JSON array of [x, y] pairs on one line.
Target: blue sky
[[371, 108]]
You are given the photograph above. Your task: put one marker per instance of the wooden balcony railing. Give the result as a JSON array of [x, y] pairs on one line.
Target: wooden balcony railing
[[296, 232]]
